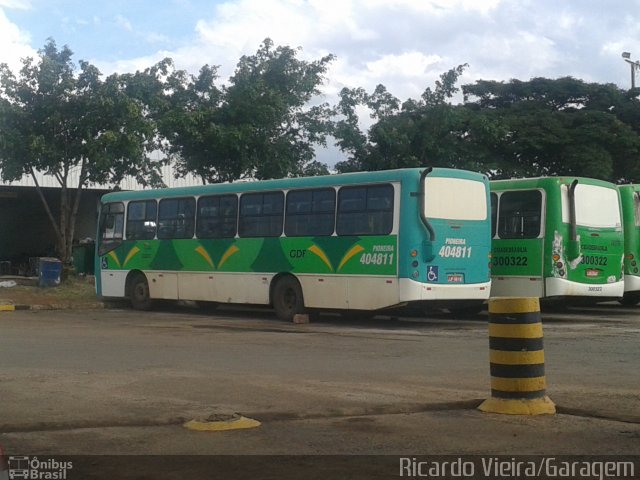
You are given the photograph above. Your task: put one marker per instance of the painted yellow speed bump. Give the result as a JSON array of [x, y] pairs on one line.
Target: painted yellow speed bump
[[7, 308], [518, 383], [219, 423]]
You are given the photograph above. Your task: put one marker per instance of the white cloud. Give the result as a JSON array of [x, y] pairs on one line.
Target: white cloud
[[17, 4], [124, 23], [409, 64], [403, 44], [407, 44], [14, 42]]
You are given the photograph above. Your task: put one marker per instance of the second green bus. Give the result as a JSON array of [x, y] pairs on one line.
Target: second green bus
[[556, 237]]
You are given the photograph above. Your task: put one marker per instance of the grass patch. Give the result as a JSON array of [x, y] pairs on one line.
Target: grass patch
[[71, 291]]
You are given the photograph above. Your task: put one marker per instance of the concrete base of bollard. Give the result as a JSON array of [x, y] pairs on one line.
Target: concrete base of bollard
[[535, 406], [301, 318]]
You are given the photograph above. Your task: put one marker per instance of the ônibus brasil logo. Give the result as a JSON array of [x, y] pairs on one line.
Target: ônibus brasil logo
[[32, 468]]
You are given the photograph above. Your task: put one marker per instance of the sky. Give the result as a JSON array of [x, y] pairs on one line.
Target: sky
[[403, 44]]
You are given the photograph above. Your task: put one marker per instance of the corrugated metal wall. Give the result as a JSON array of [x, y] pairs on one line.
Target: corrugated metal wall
[[127, 184]]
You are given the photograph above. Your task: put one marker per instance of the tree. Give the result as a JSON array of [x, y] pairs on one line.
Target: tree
[[79, 129], [559, 127], [261, 125], [426, 132]]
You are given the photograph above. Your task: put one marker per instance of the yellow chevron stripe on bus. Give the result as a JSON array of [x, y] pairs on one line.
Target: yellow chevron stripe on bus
[[113, 255], [130, 255], [354, 251], [320, 253], [230, 251], [204, 254]]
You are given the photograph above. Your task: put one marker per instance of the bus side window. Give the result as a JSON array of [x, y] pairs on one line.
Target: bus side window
[[310, 212], [365, 210], [261, 214], [176, 218], [141, 220], [217, 216], [520, 214]]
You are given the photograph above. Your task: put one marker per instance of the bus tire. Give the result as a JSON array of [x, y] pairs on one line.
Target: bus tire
[[140, 298], [287, 298], [470, 309], [630, 299], [207, 306]]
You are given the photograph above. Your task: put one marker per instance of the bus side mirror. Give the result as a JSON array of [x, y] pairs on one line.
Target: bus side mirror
[[573, 249], [427, 252]]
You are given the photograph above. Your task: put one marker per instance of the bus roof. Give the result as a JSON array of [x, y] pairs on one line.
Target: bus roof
[[290, 183], [545, 182]]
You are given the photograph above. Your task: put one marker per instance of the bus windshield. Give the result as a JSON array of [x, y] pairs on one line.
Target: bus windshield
[[596, 206], [455, 199]]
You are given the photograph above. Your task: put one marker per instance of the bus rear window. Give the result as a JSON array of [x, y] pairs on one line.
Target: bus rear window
[[455, 199], [596, 206]]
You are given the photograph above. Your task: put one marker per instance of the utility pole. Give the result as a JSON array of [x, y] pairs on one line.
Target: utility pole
[[634, 65]]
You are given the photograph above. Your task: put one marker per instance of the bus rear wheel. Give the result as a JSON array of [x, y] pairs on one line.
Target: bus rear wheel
[[630, 299], [287, 298], [469, 309], [139, 296]]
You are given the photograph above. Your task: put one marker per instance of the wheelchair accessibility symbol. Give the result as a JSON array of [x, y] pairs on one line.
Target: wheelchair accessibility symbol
[[432, 274]]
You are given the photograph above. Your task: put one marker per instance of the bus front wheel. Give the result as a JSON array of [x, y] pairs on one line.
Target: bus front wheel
[[140, 298], [287, 298]]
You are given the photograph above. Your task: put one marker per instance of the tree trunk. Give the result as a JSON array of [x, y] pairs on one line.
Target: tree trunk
[[52, 220]]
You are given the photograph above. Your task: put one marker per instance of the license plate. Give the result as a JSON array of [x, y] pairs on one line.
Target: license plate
[[455, 278]]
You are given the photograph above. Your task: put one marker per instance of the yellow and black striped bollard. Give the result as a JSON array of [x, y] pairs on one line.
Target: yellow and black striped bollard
[[518, 384]]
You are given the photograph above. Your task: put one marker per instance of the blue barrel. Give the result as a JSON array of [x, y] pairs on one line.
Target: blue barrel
[[50, 271]]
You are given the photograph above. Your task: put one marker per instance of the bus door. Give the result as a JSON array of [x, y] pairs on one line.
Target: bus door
[[597, 262], [110, 236], [518, 219]]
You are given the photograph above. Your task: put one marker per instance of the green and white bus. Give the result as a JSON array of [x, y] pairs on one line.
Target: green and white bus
[[359, 241], [556, 237], [630, 198]]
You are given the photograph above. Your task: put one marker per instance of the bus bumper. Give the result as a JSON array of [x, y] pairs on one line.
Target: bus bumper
[[559, 287], [411, 291], [631, 283]]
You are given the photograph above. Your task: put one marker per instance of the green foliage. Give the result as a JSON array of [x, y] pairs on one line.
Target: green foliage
[[425, 132], [512, 129], [259, 126], [73, 126], [559, 127]]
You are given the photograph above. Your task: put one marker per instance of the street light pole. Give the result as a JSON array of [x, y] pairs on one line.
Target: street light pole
[[626, 56]]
